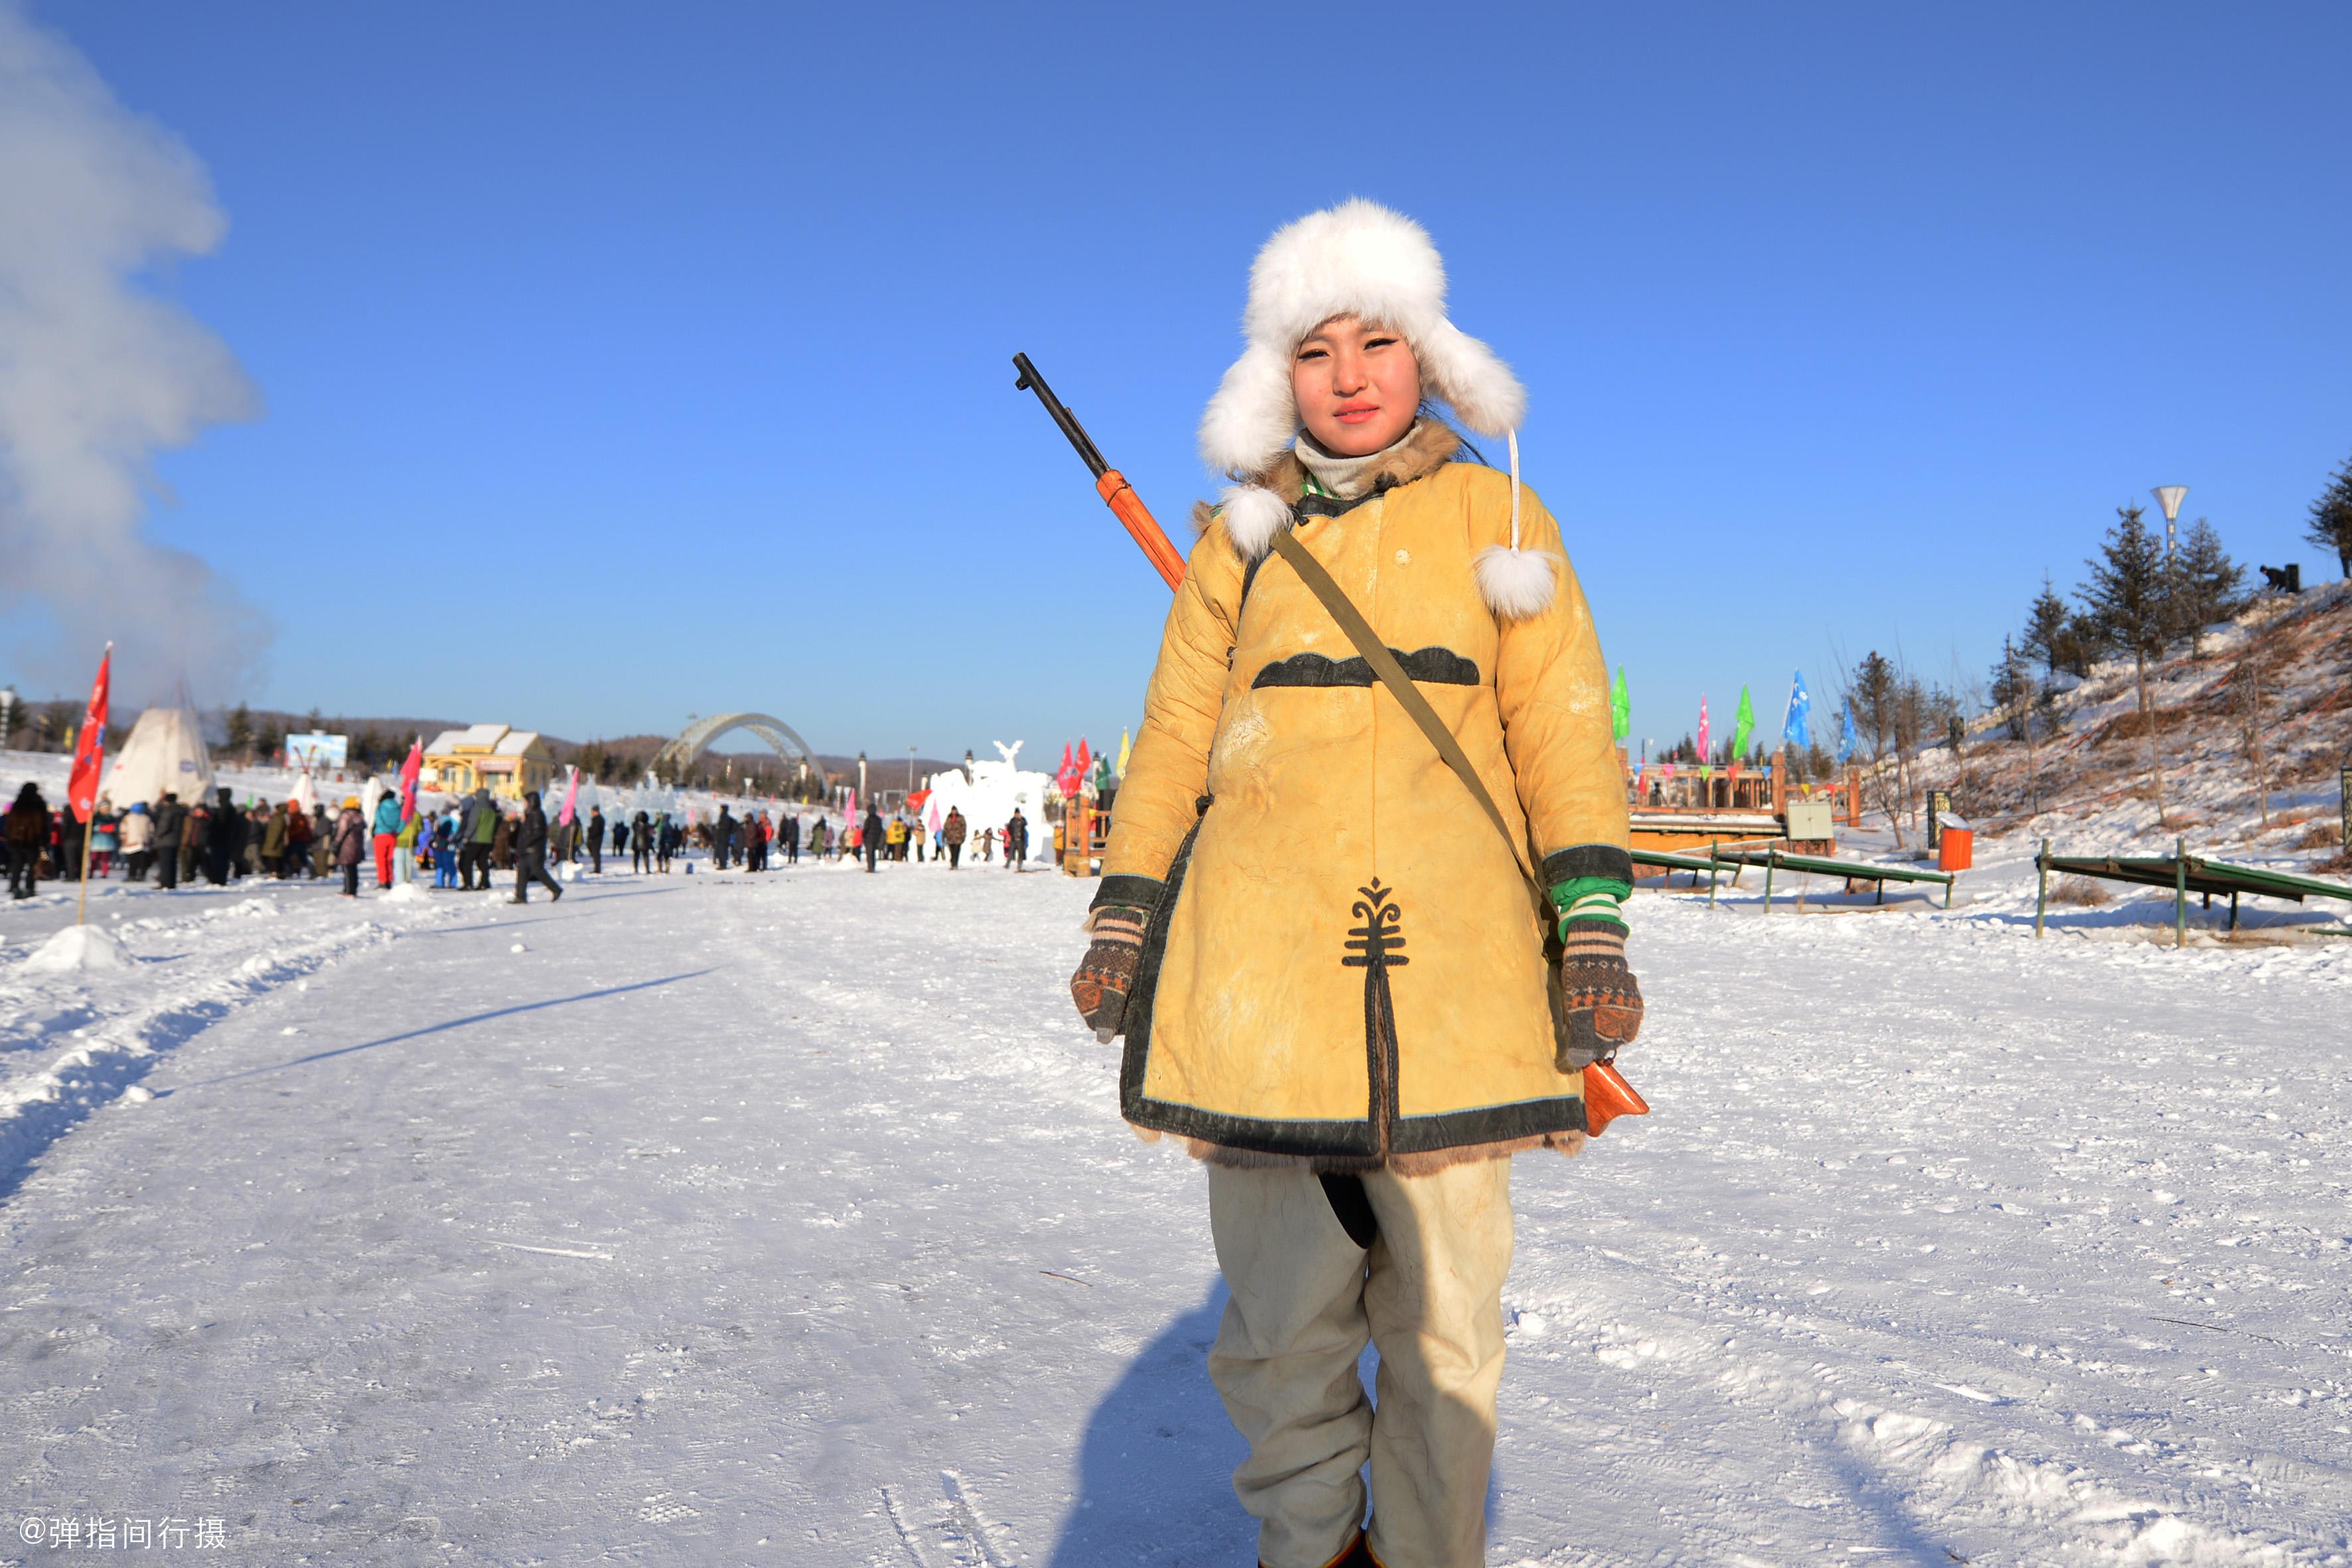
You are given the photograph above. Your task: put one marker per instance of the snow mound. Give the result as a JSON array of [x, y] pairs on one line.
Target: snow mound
[[567, 872], [78, 949], [407, 893]]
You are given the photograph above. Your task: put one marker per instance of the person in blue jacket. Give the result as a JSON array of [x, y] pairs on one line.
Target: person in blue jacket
[[387, 834]]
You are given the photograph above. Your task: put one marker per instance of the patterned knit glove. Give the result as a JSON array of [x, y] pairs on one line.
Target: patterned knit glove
[[1107, 973], [1597, 992]]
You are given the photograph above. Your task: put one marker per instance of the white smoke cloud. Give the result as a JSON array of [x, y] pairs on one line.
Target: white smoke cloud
[[98, 374]]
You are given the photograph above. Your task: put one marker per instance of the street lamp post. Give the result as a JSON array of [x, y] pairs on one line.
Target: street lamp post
[[910, 770], [2169, 497], [861, 775]]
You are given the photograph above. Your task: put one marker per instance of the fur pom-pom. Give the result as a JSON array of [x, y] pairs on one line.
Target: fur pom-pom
[[1517, 584], [1252, 515]]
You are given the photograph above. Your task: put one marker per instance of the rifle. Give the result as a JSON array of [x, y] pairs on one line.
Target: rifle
[[1606, 1095], [1109, 483]]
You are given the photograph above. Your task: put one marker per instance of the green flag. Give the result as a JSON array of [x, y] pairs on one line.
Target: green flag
[[1742, 723], [1621, 706]]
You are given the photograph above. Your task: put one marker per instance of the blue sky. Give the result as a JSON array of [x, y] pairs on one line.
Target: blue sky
[[615, 363]]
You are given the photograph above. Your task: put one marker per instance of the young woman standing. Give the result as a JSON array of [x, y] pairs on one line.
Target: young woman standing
[[1336, 977]]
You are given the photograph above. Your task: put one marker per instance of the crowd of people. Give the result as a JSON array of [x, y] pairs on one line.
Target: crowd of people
[[461, 842]]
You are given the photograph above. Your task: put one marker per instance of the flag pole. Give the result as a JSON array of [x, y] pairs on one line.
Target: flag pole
[[82, 908]]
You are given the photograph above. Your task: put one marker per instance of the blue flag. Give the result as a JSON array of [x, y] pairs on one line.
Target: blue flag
[[1796, 728], [1846, 740]]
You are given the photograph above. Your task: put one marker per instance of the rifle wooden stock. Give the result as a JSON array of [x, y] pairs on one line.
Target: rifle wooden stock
[[1121, 498]]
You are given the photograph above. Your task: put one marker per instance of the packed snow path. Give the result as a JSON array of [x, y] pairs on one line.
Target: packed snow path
[[725, 1219]]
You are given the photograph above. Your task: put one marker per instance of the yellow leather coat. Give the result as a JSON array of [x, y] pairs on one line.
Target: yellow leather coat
[[1344, 965]]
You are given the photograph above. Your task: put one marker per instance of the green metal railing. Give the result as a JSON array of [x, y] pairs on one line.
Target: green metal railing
[[1773, 859], [2184, 874]]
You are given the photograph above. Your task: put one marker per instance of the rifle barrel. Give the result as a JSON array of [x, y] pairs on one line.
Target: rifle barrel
[[1030, 381]]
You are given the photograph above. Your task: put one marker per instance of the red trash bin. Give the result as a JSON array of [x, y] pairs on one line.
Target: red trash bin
[[1956, 848]]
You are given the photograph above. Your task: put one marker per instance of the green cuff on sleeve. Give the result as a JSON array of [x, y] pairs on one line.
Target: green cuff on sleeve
[[1590, 898]]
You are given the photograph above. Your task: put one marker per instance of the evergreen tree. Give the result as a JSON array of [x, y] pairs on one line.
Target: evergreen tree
[[2128, 599], [2013, 689], [2046, 628], [1877, 695], [2085, 642], [2206, 586], [2331, 518], [268, 739], [240, 730]]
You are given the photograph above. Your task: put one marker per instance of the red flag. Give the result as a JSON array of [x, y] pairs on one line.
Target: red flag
[[90, 749], [408, 772]]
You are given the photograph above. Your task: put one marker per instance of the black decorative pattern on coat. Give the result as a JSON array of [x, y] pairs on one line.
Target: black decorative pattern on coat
[[1376, 947], [1429, 666]]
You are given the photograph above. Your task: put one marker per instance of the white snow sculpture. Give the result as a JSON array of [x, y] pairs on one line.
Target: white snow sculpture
[[989, 797]]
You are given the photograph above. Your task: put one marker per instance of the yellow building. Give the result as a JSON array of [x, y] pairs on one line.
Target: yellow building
[[508, 762]]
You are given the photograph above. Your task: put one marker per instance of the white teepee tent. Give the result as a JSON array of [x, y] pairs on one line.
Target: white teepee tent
[[165, 752]]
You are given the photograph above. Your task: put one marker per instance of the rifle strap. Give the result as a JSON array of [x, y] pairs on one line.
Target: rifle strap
[[1384, 665]]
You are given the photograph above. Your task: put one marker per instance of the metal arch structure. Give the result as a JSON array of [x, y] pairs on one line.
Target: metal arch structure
[[696, 738]]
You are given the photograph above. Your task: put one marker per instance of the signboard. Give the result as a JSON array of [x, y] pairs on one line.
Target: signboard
[[316, 749], [1939, 803]]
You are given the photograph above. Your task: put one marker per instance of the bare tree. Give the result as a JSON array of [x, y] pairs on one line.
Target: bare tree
[[2257, 669], [2015, 695]]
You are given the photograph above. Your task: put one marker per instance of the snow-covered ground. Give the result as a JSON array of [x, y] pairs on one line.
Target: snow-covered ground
[[721, 1219]]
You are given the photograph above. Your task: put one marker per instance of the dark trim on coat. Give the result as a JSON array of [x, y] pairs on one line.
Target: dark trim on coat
[[1488, 1124], [1429, 666], [1332, 506], [1605, 860], [1136, 1022], [1130, 892]]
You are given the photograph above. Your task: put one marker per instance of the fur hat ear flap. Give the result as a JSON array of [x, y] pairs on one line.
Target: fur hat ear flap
[[1254, 416], [1252, 515]]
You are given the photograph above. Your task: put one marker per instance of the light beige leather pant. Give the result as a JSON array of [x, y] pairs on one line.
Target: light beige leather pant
[[1305, 1300]]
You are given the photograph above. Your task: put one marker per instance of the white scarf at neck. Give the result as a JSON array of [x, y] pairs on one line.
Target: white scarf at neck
[[1348, 479]]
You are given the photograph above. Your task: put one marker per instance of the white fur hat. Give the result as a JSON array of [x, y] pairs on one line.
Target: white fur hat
[[1359, 259]]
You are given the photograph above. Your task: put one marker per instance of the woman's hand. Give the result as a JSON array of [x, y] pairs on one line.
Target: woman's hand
[[1598, 992], [1107, 973]]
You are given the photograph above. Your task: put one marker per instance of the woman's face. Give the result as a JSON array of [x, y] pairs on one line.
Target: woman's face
[[1358, 387]]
